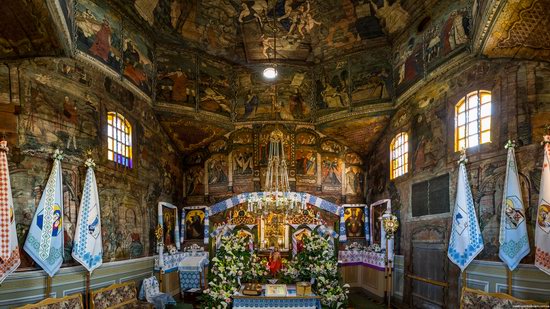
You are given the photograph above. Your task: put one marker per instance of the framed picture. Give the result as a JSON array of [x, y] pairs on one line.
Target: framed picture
[[194, 224], [275, 290], [377, 211]]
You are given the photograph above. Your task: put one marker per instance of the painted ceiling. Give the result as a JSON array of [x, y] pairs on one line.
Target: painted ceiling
[[342, 63]]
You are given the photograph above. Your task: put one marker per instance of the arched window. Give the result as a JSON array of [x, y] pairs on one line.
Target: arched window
[[473, 120], [399, 155], [119, 139]]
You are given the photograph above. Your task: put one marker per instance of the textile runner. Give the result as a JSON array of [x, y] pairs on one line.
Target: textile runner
[[359, 257], [45, 237], [514, 244], [542, 225], [466, 239], [88, 248], [9, 249], [267, 303]]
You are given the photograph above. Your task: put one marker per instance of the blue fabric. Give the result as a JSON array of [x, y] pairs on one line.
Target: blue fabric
[[190, 280], [290, 302], [150, 291]]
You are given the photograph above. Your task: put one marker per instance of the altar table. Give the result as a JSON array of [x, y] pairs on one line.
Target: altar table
[[291, 301], [190, 270], [262, 302]]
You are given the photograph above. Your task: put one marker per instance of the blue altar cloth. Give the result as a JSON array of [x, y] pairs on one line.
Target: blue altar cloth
[[293, 302]]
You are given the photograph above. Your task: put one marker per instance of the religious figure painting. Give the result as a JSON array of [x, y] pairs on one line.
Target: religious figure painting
[[306, 162], [376, 213], [194, 179], [177, 78], [447, 34], [331, 171], [242, 137], [194, 224], [243, 163], [354, 180], [99, 33], [217, 170], [215, 93], [169, 225], [371, 77], [332, 87], [261, 99], [410, 63], [138, 60], [306, 138], [355, 222]]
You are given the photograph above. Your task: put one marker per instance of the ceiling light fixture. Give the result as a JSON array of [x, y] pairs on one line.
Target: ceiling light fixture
[[270, 72]]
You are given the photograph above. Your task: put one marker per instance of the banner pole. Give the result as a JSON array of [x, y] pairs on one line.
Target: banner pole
[[87, 290], [509, 275], [48, 286]]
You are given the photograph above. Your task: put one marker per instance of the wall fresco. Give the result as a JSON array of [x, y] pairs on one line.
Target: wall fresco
[[99, 33], [215, 87], [177, 78], [137, 56]]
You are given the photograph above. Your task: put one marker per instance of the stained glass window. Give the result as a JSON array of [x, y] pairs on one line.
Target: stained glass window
[[399, 155], [473, 120], [119, 139]]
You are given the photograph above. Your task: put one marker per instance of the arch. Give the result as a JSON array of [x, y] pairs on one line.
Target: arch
[[305, 197]]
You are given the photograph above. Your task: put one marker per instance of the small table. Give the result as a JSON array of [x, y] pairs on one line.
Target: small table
[[291, 301]]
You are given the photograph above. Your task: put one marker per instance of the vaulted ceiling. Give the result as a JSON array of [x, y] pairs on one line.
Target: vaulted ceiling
[[342, 62]]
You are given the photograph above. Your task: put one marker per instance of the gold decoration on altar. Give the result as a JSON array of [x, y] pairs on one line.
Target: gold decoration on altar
[[390, 225], [307, 217]]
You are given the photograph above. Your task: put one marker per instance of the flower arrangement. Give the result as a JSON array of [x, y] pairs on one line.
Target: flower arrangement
[[355, 246], [318, 263], [231, 263]]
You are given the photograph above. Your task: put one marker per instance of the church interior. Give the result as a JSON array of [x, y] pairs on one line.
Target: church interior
[[298, 154]]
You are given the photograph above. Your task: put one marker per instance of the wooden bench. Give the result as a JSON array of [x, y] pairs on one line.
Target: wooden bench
[[474, 299], [72, 301], [121, 295]]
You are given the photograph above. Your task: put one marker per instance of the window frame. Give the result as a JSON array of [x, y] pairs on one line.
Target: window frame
[[463, 107], [403, 152], [125, 140]]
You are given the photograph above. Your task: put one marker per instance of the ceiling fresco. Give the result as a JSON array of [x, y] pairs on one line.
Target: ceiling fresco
[[189, 134], [296, 30], [27, 30], [521, 31], [358, 134]]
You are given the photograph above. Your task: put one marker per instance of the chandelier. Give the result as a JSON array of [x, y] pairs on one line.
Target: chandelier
[[277, 197]]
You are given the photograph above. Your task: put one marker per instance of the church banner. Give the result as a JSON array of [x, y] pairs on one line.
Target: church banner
[[542, 225], [514, 243], [45, 238], [466, 240], [9, 249], [88, 248]]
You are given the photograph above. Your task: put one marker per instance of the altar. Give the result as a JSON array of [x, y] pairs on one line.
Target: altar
[[290, 301]]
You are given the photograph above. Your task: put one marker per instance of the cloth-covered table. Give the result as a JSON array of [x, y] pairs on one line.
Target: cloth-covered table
[[358, 257], [172, 261], [190, 270], [291, 302]]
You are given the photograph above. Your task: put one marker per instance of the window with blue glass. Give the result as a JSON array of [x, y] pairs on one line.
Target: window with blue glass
[[119, 139]]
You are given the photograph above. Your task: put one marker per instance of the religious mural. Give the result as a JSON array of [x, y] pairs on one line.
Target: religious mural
[[99, 33], [215, 87], [288, 98], [331, 171], [176, 78], [332, 87], [137, 58], [370, 80], [65, 113], [243, 163]]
